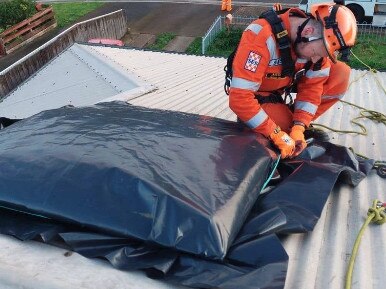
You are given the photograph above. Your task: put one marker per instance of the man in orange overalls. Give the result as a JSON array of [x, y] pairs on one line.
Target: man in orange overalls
[[226, 5], [258, 82]]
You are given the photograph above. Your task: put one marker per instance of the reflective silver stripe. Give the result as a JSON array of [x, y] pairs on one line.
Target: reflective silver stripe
[[301, 60], [255, 28], [319, 73], [257, 120], [244, 84], [306, 106], [327, 97], [271, 44]]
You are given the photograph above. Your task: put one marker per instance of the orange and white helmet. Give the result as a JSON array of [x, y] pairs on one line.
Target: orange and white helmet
[[339, 27]]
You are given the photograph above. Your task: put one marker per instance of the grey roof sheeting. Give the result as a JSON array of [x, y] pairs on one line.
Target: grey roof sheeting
[[75, 77], [194, 84]]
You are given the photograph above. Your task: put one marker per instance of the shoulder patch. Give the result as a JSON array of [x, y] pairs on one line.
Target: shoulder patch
[[252, 61]]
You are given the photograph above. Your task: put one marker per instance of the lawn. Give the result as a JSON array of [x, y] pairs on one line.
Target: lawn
[[69, 13], [162, 40], [369, 50]]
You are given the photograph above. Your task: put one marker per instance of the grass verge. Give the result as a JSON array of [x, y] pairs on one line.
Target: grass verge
[[162, 40], [195, 47], [68, 13]]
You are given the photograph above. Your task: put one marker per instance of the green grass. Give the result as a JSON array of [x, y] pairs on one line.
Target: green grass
[[195, 47], [368, 50], [68, 13], [371, 52], [162, 40]]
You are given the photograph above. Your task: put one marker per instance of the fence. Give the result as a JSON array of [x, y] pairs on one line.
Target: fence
[[27, 30], [112, 25], [366, 32], [219, 24]]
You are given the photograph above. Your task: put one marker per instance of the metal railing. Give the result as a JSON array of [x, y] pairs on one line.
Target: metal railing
[[211, 34], [366, 32], [219, 24]]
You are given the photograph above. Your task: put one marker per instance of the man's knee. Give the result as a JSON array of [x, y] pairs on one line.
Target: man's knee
[[338, 80], [343, 70]]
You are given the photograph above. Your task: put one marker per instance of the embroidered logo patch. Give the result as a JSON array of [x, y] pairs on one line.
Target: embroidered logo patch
[[252, 61], [286, 139]]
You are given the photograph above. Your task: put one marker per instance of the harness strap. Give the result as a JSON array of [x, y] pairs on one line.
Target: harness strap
[[283, 40], [299, 37], [228, 71], [272, 98]]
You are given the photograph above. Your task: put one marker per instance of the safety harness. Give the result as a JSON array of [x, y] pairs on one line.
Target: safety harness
[[284, 42]]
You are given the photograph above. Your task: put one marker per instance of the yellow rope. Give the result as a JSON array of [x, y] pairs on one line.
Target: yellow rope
[[364, 113], [376, 214], [372, 70], [372, 115]]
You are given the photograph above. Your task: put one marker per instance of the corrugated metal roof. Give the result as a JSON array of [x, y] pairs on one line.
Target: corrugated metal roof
[[320, 259], [185, 83], [76, 77], [194, 84]]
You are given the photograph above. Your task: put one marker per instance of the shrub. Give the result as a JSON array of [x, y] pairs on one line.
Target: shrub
[[15, 11], [225, 42]]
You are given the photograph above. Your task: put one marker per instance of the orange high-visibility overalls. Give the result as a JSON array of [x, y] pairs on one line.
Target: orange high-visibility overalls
[[226, 5], [257, 71]]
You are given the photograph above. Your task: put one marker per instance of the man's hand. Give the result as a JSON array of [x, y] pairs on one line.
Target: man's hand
[[297, 134], [283, 141]]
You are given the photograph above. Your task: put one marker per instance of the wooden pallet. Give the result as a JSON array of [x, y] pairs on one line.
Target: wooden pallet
[[27, 30]]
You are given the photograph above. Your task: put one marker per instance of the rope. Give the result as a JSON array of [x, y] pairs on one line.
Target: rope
[[364, 113], [376, 214], [372, 115], [372, 70]]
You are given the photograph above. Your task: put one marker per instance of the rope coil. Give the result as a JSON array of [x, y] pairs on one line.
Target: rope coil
[[376, 214], [372, 115], [364, 113]]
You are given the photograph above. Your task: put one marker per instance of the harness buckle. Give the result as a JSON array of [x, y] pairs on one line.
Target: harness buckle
[[288, 96], [299, 74]]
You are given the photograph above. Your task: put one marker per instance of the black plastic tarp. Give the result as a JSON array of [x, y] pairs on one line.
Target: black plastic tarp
[[178, 180], [175, 194]]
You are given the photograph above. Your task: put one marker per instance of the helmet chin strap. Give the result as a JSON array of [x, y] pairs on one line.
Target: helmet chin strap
[[300, 38]]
